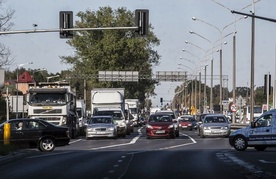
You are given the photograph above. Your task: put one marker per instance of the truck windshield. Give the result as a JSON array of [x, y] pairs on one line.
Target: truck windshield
[[45, 99], [116, 114]]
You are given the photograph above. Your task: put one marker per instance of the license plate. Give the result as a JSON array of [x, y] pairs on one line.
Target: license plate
[[100, 132], [216, 132], [160, 132]]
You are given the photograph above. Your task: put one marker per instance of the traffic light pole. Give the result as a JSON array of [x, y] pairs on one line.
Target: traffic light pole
[[62, 30]]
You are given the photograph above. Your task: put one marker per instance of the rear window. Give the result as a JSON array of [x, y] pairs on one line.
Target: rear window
[[160, 118]]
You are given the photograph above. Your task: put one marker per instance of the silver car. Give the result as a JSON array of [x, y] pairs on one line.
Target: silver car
[[214, 125], [101, 126]]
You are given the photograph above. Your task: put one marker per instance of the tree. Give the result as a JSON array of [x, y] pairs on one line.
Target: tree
[[5, 25], [113, 50]]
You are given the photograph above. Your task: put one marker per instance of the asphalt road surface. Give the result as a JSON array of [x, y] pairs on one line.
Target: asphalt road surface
[[188, 156]]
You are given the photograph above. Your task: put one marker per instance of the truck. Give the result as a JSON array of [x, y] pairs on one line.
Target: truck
[[110, 101], [133, 107], [82, 115], [54, 102]]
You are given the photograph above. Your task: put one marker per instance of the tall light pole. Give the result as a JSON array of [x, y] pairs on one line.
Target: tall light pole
[[220, 50], [17, 67], [234, 52], [205, 96], [50, 77]]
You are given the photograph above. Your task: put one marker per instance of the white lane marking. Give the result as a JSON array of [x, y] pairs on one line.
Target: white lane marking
[[71, 142], [181, 145], [133, 141], [264, 161], [46, 155]]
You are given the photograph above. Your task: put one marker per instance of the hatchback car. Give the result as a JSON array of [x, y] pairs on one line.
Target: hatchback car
[[187, 122], [160, 125], [36, 133], [174, 117], [101, 126], [214, 125]]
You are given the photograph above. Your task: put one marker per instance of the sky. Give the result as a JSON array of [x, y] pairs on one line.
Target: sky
[[172, 21]]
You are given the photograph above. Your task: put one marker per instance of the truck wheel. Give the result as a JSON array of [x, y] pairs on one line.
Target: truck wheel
[[260, 148], [47, 145], [240, 143]]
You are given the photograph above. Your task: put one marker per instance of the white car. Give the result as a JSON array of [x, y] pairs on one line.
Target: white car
[[214, 125], [101, 126]]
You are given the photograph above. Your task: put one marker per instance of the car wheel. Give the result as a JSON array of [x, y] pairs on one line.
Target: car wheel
[[240, 143], [47, 145], [260, 148]]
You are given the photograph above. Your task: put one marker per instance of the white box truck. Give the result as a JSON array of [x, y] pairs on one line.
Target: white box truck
[[110, 101]]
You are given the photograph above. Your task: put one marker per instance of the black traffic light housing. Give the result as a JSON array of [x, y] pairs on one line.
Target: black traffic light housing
[[265, 85], [142, 21], [65, 22]]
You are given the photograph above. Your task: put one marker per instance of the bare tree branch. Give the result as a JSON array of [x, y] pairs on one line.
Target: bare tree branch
[[5, 24]]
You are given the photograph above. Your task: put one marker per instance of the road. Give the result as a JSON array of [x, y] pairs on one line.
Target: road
[[188, 156]]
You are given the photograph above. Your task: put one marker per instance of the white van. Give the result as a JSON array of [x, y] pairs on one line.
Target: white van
[[260, 134]]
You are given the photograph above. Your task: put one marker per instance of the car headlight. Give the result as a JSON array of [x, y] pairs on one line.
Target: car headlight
[[225, 127], [206, 128], [111, 129], [171, 126], [90, 129], [179, 125], [149, 126]]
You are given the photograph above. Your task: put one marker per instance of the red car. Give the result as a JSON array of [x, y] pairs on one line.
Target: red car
[[160, 125], [187, 122]]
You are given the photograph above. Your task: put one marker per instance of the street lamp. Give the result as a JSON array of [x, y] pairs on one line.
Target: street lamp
[[220, 50], [18, 66], [50, 77]]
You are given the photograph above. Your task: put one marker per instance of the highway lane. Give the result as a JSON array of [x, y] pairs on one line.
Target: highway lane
[[134, 157]]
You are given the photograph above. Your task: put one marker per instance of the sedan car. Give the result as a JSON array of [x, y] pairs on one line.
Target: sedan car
[[36, 133], [214, 125], [187, 122], [101, 126], [160, 125]]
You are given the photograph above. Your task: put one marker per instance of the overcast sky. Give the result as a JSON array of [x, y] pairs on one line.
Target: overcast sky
[[172, 21]]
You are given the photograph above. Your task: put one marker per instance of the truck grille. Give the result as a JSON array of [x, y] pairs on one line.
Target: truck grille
[[47, 111]]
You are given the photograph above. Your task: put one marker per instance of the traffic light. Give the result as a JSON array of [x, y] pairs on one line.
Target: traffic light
[[265, 84], [65, 22], [142, 21], [161, 100]]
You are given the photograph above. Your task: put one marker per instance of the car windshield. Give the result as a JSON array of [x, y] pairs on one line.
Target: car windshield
[[160, 118], [99, 120], [214, 119]]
